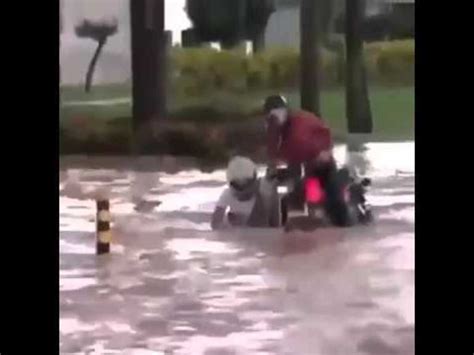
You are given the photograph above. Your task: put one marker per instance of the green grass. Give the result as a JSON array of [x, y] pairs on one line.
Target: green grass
[[393, 111], [393, 108], [102, 92]]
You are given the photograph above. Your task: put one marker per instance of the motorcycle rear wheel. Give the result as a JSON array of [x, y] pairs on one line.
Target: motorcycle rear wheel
[[283, 211]]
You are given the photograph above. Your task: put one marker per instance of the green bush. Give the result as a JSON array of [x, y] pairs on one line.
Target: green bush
[[257, 72], [94, 138], [227, 70], [396, 63], [201, 71], [198, 71], [190, 71], [283, 68]]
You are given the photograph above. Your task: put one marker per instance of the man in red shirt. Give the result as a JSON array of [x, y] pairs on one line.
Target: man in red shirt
[[301, 138]]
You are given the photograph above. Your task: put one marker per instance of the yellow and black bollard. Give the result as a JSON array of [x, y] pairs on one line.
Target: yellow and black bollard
[[104, 234]]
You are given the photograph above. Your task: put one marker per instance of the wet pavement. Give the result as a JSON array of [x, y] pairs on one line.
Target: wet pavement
[[172, 286]]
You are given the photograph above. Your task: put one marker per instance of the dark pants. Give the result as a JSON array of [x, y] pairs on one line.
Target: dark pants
[[335, 205]]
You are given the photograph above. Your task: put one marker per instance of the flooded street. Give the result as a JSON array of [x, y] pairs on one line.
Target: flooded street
[[173, 286]]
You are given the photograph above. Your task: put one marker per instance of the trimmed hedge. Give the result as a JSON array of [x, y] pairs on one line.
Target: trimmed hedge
[[200, 71], [391, 62], [213, 142]]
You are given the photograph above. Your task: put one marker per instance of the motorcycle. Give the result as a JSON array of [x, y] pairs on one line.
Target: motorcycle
[[301, 199]]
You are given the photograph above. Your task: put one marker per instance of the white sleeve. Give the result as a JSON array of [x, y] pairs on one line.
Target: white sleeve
[[224, 199]]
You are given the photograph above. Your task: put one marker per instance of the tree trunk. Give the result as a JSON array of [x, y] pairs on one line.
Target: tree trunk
[[310, 49], [329, 13], [60, 32], [239, 36], [340, 63], [258, 42], [149, 79], [229, 45], [92, 64], [359, 117]]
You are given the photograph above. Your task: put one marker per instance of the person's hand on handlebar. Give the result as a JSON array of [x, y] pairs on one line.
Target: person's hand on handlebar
[[324, 156], [272, 169], [271, 172]]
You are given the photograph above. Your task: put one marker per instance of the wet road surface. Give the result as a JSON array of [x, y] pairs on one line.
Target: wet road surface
[[172, 286]]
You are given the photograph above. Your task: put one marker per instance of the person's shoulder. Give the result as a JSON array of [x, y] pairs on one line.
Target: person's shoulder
[[227, 192], [225, 198], [303, 114], [307, 118]]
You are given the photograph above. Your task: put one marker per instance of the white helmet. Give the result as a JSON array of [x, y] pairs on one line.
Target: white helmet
[[241, 169]]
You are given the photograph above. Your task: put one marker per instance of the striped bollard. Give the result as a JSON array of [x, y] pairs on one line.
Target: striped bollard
[[104, 234]]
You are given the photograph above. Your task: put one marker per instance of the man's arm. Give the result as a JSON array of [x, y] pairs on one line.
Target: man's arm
[[218, 216], [324, 136], [324, 143], [273, 143], [217, 220]]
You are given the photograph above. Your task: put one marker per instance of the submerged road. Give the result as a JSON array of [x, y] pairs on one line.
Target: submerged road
[[172, 286]]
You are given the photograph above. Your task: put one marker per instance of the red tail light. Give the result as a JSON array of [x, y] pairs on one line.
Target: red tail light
[[346, 194], [314, 191]]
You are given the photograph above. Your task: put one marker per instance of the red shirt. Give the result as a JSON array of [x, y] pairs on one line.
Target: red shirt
[[301, 140]]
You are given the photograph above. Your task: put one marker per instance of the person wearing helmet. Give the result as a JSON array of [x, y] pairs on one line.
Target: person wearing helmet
[[299, 137], [245, 200]]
